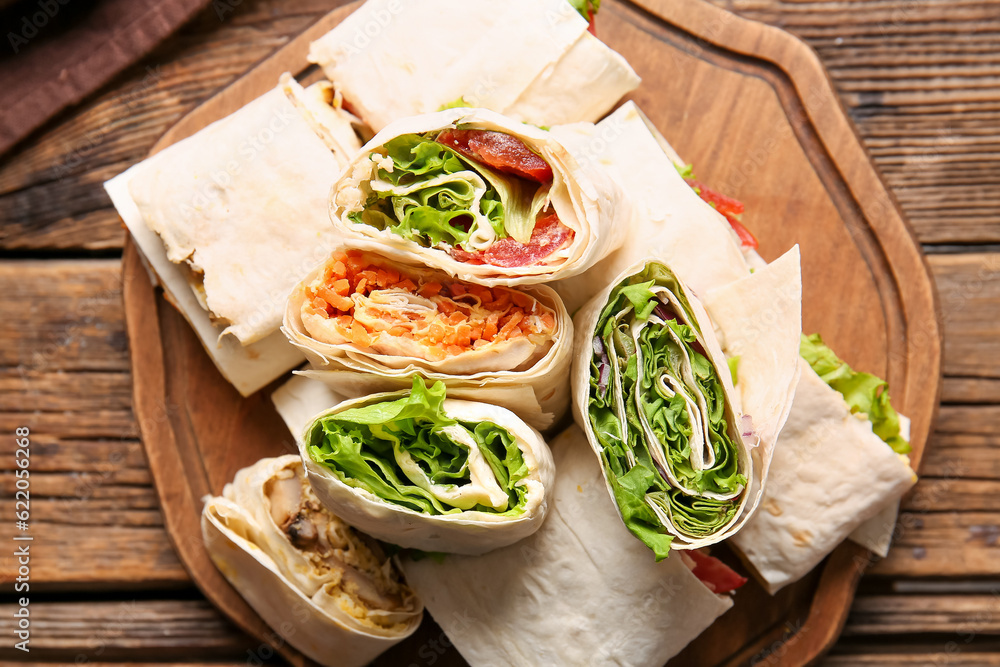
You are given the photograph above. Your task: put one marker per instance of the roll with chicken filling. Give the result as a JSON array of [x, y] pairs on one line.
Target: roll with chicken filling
[[293, 559], [423, 471], [482, 197], [369, 315]]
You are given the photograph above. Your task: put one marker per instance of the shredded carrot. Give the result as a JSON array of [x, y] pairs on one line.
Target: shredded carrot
[[521, 299], [359, 335], [458, 324], [502, 300], [428, 290], [511, 325]]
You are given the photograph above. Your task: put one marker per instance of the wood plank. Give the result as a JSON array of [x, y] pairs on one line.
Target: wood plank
[[913, 659], [171, 630], [62, 315], [969, 294], [943, 544], [963, 615], [957, 389]]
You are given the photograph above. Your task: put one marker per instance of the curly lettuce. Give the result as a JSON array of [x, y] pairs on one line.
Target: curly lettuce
[[409, 452], [436, 197], [865, 393], [658, 410]]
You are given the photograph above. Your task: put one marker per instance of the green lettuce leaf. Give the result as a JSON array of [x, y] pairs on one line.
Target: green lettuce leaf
[[434, 196], [363, 447], [586, 7], [863, 392], [455, 104], [687, 171], [734, 367], [641, 414]]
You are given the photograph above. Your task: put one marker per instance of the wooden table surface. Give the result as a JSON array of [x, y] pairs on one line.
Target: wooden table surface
[[920, 78]]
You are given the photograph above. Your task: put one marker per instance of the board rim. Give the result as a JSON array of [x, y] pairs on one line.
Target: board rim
[[718, 29]]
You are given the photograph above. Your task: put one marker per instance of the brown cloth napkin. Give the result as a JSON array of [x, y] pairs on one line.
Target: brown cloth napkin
[[56, 52]]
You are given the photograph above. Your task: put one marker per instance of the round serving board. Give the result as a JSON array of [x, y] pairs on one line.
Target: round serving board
[[753, 109]]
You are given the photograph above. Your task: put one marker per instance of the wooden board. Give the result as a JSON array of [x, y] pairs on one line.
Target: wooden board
[[752, 107]]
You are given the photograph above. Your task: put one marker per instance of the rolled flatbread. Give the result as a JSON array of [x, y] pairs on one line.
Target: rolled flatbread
[[482, 197], [532, 60], [232, 217], [684, 452], [830, 474], [325, 588], [423, 471], [580, 591], [370, 317], [671, 222], [863, 478]]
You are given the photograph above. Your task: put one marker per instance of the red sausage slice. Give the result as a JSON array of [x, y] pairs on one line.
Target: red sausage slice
[[500, 151]]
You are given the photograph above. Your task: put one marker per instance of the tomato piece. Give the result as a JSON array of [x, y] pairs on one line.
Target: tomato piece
[[716, 575], [747, 239], [591, 24], [723, 204], [730, 208], [500, 151]]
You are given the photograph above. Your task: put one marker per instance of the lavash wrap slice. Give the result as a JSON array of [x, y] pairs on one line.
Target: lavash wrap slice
[[210, 215], [624, 337], [696, 494], [427, 472], [585, 198], [343, 606], [533, 60], [221, 201], [529, 379]]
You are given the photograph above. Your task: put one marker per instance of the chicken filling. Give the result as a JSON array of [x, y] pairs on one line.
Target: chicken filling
[[362, 578]]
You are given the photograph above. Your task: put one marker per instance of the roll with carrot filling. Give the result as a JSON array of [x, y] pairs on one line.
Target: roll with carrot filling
[[367, 311], [482, 197], [415, 314]]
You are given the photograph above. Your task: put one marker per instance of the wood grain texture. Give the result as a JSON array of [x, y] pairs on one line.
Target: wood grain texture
[[127, 629]]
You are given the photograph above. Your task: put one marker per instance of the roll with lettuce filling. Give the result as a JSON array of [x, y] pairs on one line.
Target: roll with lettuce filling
[[427, 472], [482, 197], [660, 409]]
